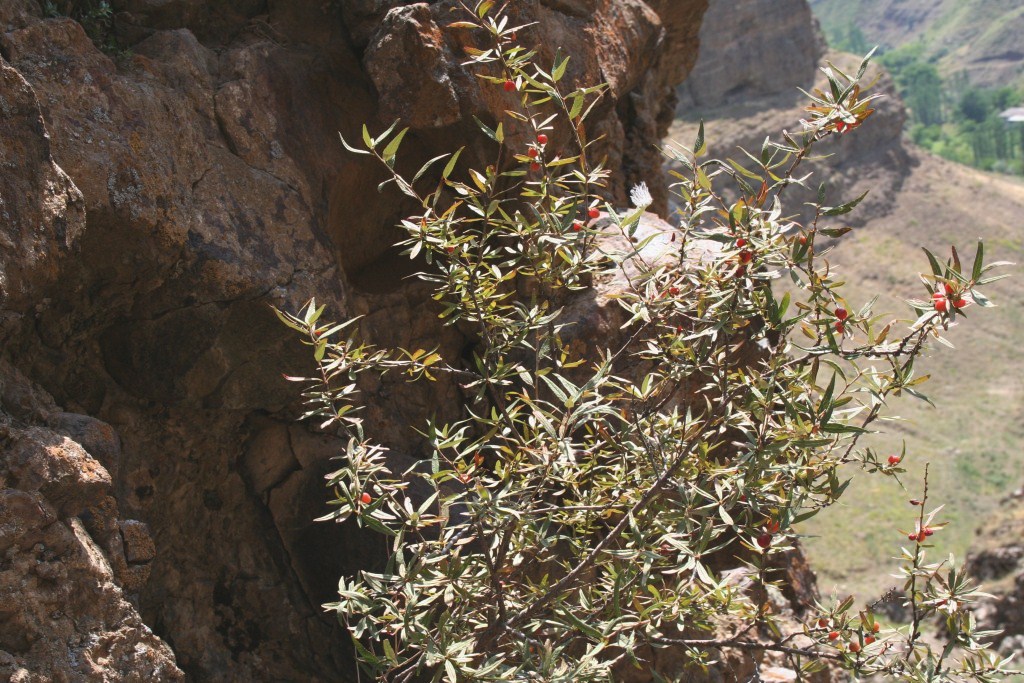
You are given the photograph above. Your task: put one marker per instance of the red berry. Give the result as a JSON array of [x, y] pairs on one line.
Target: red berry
[[741, 271], [673, 291], [939, 302], [593, 212], [876, 627], [928, 531], [959, 303], [542, 139], [842, 314], [802, 239], [772, 526], [894, 459], [868, 640], [740, 243], [532, 152], [534, 166], [745, 256], [833, 635], [764, 540], [948, 287], [510, 85], [911, 537], [450, 250], [365, 499], [843, 126], [577, 226], [840, 327], [854, 647], [823, 622]]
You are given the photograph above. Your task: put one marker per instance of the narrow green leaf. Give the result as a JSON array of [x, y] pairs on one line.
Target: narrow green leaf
[[934, 262], [559, 70], [350, 147], [844, 208], [577, 106], [450, 166], [486, 129], [392, 147]]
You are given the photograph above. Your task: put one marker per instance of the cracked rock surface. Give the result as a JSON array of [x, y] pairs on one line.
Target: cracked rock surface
[[153, 204]]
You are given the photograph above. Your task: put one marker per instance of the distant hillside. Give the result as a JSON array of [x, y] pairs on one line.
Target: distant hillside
[[916, 199], [983, 39]]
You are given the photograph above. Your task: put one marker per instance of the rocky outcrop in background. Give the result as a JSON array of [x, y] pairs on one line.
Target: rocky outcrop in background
[[753, 49], [997, 562], [154, 203], [756, 55]]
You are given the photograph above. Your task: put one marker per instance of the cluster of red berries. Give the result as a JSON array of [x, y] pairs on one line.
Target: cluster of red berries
[[765, 539], [744, 257], [919, 536], [942, 300], [534, 151], [854, 646], [844, 127], [592, 213], [841, 315]]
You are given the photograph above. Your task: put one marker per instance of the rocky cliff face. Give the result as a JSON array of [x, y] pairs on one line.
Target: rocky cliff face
[[757, 48], [154, 205]]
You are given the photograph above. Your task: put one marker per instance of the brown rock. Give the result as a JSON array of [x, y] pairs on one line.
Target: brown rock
[[997, 559], [63, 612], [63, 617], [21, 399], [40, 207], [138, 544], [408, 64], [269, 458], [21, 513], [97, 437], [754, 49], [214, 185], [59, 468]]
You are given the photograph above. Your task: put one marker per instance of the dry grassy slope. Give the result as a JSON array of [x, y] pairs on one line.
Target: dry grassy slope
[[972, 440], [984, 38]]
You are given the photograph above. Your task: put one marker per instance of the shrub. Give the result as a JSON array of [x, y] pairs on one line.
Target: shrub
[[581, 510], [96, 18]]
